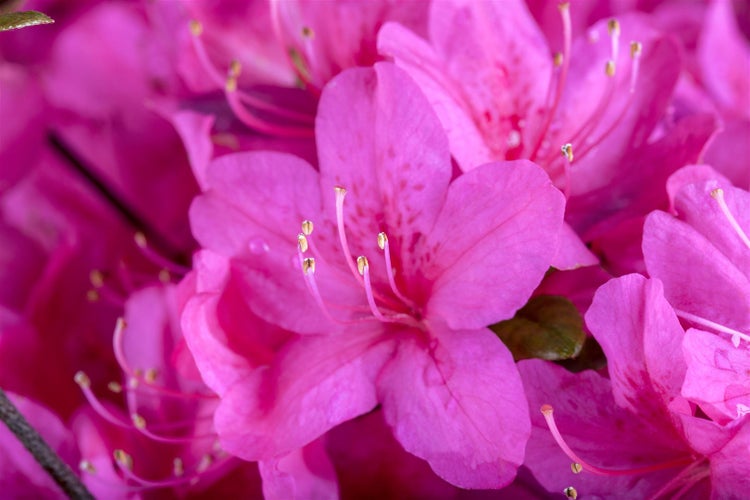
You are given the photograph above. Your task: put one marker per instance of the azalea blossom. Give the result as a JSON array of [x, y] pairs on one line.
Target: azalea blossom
[[368, 327], [634, 431]]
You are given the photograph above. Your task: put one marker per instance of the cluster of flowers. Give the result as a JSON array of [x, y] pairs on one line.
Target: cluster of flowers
[[410, 249]]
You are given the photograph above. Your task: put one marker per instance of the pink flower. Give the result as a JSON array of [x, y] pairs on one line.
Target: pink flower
[[405, 329], [703, 258], [633, 431]]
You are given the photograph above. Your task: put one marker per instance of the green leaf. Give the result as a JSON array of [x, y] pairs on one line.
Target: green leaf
[[22, 19], [547, 327]]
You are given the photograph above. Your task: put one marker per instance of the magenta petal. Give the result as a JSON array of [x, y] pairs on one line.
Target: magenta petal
[[459, 405], [638, 331], [697, 278], [394, 163], [692, 174], [730, 469], [599, 431], [316, 383], [492, 243], [303, 473], [717, 375]]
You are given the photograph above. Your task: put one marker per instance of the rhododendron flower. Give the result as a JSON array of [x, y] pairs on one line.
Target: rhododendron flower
[[632, 432], [402, 325], [703, 258]]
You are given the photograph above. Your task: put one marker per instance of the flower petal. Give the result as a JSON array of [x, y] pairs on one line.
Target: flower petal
[[492, 244], [459, 405]]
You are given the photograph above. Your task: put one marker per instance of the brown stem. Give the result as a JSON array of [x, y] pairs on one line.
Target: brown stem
[[43, 454]]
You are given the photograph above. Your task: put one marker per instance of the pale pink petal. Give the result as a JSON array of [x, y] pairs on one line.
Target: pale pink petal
[[730, 471], [458, 403]]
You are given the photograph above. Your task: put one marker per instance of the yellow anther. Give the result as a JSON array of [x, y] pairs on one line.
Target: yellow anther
[[150, 375], [307, 227], [123, 459], [121, 324], [96, 278], [205, 463], [196, 28], [613, 27], [609, 68], [636, 48], [302, 243], [557, 59], [576, 467], [235, 68], [567, 151], [307, 32], [82, 379], [340, 191], [717, 193], [138, 421], [115, 387], [563, 5], [165, 276], [362, 264], [140, 239], [382, 240], [86, 466], [571, 493], [92, 296], [308, 265], [231, 85], [178, 469]]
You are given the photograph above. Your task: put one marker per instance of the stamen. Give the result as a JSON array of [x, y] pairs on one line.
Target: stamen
[[97, 278], [150, 375], [340, 195], [196, 30], [571, 493], [547, 411], [307, 227], [123, 459], [302, 243], [636, 49], [609, 68], [82, 380], [308, 265], [86, 466], [178, 469], [564, 9], [115, 387], [165, 277], [736, 335], [138, 421], [576, 468], [245, 116], [156, 258], [718, 195], [385, 247], [364, 269], [557, 59], [92, 296], [567, 151]]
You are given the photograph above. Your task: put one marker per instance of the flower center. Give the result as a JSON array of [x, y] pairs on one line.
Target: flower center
[[383, 308]]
